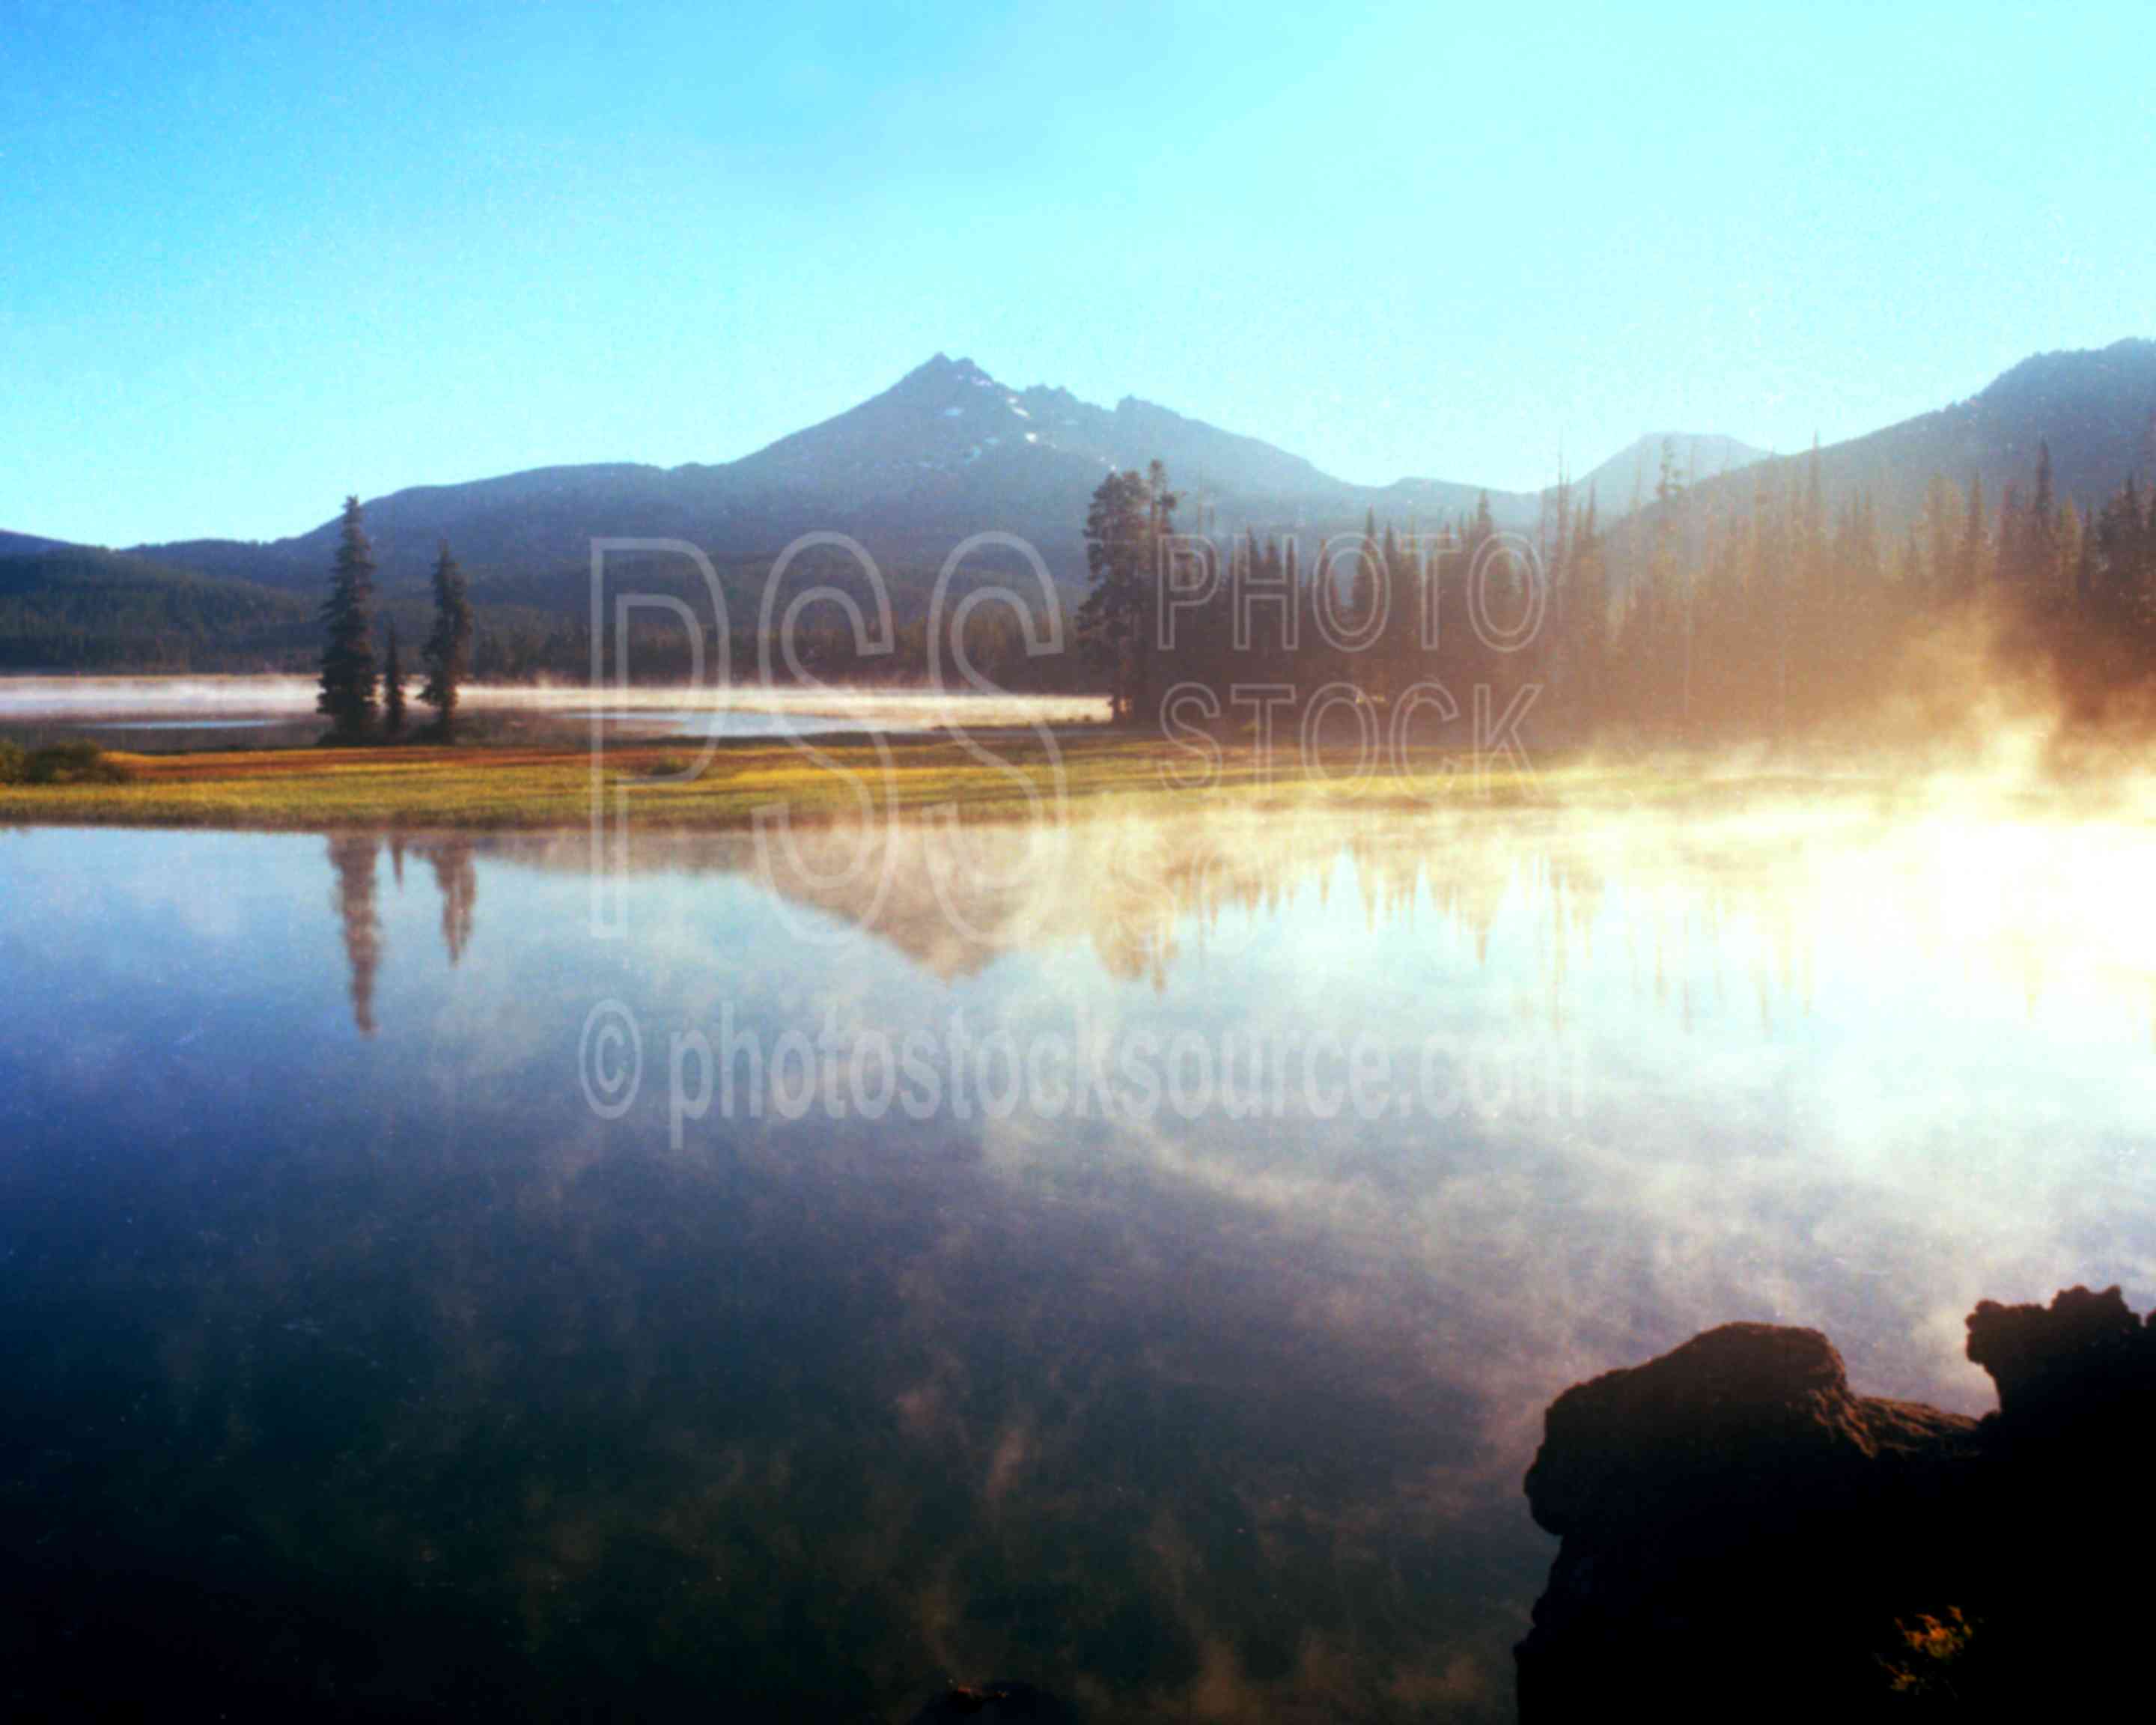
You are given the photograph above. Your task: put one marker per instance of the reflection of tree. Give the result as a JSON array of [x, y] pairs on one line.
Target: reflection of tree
[[352, 856], [451, 860]]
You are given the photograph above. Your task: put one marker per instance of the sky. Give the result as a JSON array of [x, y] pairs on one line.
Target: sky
[[258, 257]]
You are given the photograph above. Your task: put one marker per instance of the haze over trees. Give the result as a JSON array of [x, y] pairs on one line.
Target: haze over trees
[[393, 687], [1794, 609], [1795, 606]]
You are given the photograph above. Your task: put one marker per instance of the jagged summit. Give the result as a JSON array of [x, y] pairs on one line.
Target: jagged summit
[[940, 368]]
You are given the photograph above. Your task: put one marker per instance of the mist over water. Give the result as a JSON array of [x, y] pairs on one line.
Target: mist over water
[[169, 699], [334, 1293]]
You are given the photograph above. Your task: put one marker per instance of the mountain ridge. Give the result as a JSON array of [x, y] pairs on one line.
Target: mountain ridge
[[2094, 408], [948, 451]]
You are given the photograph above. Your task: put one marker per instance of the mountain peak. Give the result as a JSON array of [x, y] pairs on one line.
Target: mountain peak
[[939, 364], [941, 380]]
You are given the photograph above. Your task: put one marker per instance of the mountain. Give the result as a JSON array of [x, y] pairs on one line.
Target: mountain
[[18, 545], [945, 452], [2096, 409], [948, 451], [1629, 477], [950, 421]]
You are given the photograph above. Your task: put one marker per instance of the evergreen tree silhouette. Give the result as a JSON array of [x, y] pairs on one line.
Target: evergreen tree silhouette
[[347, 678]]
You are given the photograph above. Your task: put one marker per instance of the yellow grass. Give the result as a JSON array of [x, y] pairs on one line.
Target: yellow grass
[[530, 787]]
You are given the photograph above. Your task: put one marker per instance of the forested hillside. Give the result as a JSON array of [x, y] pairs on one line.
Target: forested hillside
[[71, 607]]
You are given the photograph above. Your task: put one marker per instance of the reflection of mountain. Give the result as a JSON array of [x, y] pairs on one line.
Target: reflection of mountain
[[1729, 894], [352, 857], [953, 900], [1145, 892]]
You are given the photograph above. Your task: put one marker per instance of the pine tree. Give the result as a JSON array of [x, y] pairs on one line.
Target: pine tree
[[1970, 560], [1663, 573], [1119, 546], [1160, 524], [447, 654], [2117, 536], [2137, 561], [1942, 503], [1591, 611], [2068, 561], [347, 680], [393, 687], [2040, 531], [2013, 535], [1362, 579]]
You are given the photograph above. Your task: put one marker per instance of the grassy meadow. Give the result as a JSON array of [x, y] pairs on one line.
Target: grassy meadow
[[679, 784]]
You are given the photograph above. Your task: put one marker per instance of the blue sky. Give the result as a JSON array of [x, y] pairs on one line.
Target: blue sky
[[258, 257]]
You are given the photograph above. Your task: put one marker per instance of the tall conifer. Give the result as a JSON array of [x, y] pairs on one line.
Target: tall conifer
[[347, 680], [447, 654]]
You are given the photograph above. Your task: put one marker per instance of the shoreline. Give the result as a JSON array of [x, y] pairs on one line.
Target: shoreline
[[1004, 772], [543, 787]]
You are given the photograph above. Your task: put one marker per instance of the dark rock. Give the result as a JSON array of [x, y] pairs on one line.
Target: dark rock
[[2057, 1366], [1716, 1426], [1743, 1532]]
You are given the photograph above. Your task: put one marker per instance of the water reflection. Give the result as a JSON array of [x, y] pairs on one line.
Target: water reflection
[[353, 858], [381, 1352], [458, 879], [1704, 897]]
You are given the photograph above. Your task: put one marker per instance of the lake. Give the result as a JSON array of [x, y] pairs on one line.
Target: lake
[[1132, 1257], [157, 713]]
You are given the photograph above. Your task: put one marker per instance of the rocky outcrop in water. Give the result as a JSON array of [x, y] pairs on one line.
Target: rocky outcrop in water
[[1743, 1535]]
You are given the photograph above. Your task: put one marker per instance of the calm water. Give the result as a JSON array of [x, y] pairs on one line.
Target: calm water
[[151, 714], [505, 722], [355, 1361], [677, 722], [691, 721]]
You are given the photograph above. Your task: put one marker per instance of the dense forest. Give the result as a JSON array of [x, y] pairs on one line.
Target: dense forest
[[79, 608], [71, 607], [1757, 620]]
